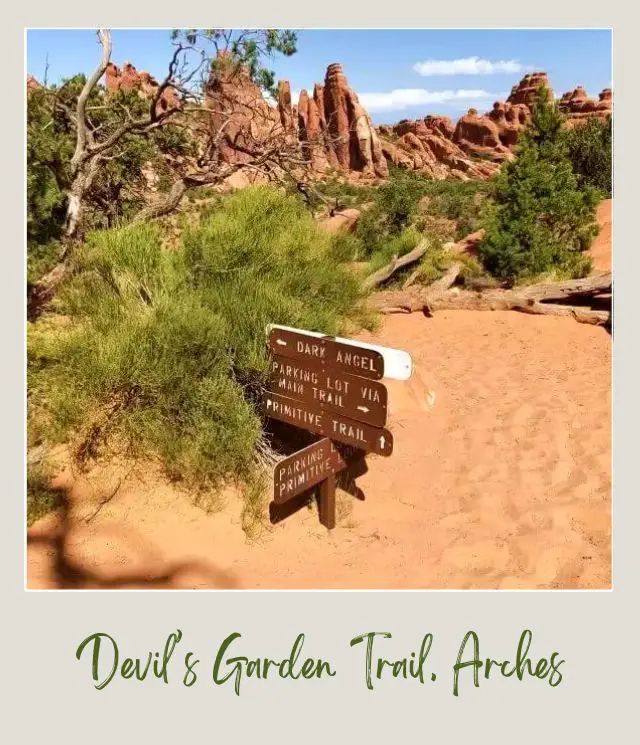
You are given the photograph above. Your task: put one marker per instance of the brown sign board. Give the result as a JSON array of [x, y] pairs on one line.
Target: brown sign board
[[357, 398], [307, 468], [347, 358], [328, 424]]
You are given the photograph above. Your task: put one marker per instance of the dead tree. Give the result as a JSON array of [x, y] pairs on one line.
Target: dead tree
[[262, 147]]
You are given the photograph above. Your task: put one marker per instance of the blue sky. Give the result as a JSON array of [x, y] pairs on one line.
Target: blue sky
[[397, 74]]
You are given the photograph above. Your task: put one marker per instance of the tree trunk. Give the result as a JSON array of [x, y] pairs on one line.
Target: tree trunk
[[41, 293], [533, 299], [164, 205]]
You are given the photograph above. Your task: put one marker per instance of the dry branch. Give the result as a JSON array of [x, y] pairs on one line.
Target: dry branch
[[532, 299], [396, 264]]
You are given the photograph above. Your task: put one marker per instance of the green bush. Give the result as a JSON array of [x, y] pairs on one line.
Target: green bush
[[163, 352], [542, 221], [395, 245], [459, 201], [41, 497], [345, 247], [118, 189], [590, 150], [445, 210]]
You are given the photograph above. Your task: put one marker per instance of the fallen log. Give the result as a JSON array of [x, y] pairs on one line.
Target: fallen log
[[441, 284], [377, 278], [532, 299]]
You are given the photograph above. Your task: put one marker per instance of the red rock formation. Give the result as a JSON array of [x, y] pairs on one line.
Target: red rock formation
[[129, 79], [311, 132], [578, 106], [240, 113], [525, 91], [441, 125], [509, 119], [333, 130], [285, 108], [32, 84], [350, 135], [423, 145]]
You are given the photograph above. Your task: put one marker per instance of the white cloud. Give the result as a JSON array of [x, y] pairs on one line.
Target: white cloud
[[403, 98], [468, 66]]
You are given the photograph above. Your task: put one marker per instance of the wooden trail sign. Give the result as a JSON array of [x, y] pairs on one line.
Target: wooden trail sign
[[329, 424], [329, 387], [310, 382], [307, 468], [397, 363], [347, 358]]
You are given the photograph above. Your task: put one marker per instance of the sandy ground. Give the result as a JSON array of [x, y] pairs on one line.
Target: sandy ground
[[503, 481], [500, 478]]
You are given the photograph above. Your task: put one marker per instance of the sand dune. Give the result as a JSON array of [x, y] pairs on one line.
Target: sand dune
[[500, 478]]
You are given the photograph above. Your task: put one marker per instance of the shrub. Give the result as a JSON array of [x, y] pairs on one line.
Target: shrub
[[164, 352], [445, 210], [589, 148], [542, 221], [41, 497], [345, 246], [395, 245], [119, 186]]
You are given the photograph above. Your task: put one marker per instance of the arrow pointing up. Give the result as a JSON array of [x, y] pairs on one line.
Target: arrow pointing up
[[382, 441]]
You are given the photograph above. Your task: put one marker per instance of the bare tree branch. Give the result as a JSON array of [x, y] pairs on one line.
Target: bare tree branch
[[104, 35]]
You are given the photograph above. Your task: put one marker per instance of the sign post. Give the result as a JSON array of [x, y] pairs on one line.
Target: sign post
[[327, 503], [329, 387]]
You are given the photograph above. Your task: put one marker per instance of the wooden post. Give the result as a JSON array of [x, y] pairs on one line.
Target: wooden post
[[327, 502]]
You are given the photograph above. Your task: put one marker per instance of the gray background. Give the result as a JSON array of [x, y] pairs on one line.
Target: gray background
[[49, 695]]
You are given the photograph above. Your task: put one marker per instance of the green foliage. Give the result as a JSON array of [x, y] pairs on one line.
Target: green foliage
[[41, 496], [50, 146], [460, 202], [340, 194], [590, 150], [345, 247], [444, 210], [542, 221], [433, 265], [248, 47], [164, 351], [397, 244], [119, 188], [395, 204]]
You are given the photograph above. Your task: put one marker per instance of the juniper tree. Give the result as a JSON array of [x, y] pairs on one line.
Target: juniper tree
[[541, 221]]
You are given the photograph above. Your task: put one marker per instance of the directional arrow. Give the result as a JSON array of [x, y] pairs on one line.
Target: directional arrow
[[281, 342], [382, 441], [363, 408]]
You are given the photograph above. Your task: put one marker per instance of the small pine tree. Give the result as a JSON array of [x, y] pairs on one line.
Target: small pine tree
[[542, 221]]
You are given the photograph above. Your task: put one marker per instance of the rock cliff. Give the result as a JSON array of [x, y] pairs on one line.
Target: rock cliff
[[333, 132]]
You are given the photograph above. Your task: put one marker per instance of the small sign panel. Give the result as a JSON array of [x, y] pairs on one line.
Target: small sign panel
[[348, 358], [329, 424], [357, 398], [306, 468], [397, 362]]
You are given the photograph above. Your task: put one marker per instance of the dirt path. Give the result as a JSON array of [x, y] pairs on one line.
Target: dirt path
[[503, 482]]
